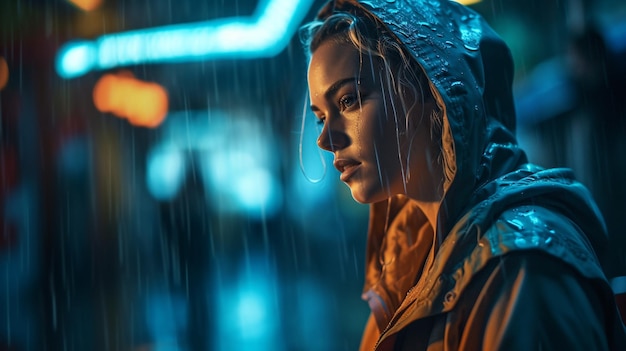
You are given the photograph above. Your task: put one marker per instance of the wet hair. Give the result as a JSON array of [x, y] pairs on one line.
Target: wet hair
[[371, 37]]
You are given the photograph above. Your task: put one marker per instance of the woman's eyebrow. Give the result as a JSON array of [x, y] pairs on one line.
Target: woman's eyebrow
[[338, 84], [332, 90]]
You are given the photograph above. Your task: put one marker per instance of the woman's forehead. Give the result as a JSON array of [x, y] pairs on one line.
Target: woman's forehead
[[332, 61]]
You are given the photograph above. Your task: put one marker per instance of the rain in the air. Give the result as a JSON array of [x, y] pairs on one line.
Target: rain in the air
[[195, 175]]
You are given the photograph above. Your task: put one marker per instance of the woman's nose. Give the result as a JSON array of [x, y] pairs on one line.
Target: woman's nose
[[331, 139]]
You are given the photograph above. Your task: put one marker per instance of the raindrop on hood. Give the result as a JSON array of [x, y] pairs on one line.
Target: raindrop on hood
[[471, 47]]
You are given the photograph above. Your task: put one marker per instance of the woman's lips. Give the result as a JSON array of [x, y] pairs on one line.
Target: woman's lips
[[347, 168], [348, 172]]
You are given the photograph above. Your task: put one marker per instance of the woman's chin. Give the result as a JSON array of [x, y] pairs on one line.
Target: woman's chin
[[366, 197], [360, 200]]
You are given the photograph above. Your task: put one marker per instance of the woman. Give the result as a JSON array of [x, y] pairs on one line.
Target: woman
[[469, 246]]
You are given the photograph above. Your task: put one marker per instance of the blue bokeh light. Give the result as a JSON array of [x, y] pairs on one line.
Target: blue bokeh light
[[76, 58], [166, 316], [248, 309], [165, 172], [232, 154]]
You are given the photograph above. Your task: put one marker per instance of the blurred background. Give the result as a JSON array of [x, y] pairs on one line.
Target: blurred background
[[152, 193]]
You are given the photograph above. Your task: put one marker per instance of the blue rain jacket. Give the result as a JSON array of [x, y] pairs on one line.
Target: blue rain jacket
[[515, 260]]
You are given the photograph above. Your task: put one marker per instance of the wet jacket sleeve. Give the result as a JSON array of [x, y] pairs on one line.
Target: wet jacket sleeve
[[533, 301]]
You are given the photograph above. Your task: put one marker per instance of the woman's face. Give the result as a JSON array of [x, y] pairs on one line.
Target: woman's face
[[365, 126]]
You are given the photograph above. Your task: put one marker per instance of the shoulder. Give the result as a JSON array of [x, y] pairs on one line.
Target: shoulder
[[520, 233], [535, 292], [532, 264], [537, 228]]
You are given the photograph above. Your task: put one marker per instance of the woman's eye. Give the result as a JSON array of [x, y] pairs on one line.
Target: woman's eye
[[320, 120], [346, 102]]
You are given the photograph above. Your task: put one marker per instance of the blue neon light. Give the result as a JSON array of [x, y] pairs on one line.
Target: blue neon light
[[264, 34], [165, 172], [233, 157]]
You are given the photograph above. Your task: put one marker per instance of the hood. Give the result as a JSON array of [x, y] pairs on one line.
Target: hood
[[470, 70]]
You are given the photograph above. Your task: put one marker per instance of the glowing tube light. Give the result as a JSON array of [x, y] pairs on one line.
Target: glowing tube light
[[264, 34]]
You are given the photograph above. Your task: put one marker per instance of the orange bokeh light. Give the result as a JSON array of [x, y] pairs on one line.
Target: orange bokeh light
[[86, 5], [4, 72], [144, 104]]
